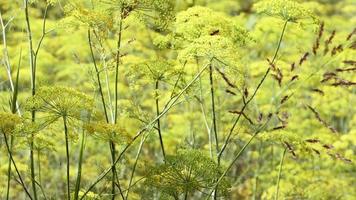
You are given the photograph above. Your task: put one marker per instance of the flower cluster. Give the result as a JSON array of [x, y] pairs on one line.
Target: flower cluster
[[61, 102], [100, 20], [199, 21], [287, 10], [8, 122], [108, 132], [188, 171]]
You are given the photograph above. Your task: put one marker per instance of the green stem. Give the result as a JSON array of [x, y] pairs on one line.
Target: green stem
[[79, 170], [15, 166], [67, 155], [212, 93], [238, 156], [116, 110], [159, 124], [9, 170], [279, 174], [33, 90], [134, 166]]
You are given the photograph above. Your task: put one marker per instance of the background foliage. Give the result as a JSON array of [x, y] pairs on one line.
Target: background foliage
[[233, 99]]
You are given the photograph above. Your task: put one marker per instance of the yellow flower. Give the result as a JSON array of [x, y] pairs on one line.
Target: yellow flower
[[8, 122]]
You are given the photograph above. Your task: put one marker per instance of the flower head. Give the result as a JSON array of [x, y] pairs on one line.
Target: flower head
[[108, 132], [187, 171], [8, 122], [285, 9], [200, 21], [61, 102]]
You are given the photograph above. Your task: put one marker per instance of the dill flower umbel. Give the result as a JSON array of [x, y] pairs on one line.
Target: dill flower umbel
[[188, 171], [199, 21], [287, 10], [8, 122], [61, 102], [108, 132]]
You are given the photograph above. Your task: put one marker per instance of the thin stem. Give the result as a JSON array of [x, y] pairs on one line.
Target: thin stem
[[39, 174], [9, 171], [7, 64], [33, 92], [116, 109], [134, 166], [159, 122], [238, 156], [254, 93], [67, 155], [79, 170], [97, 73], [117, 69], [15, 166], [213, 107], [214, 120], [167, 107], [202, 108], [280, 173]]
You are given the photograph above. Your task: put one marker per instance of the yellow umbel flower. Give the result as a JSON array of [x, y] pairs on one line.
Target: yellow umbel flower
[[8, 122]]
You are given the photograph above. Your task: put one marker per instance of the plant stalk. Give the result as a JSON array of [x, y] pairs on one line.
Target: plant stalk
[[279, 174], [159, 122], [67, 155]]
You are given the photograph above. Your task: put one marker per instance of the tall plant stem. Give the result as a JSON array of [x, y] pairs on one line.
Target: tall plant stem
[[113, 148], [79, 170], [67, 155], [15, 166], [159, 122], [33, 92], [134, 166], [9, 171], [280, 173], [212, 94]]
